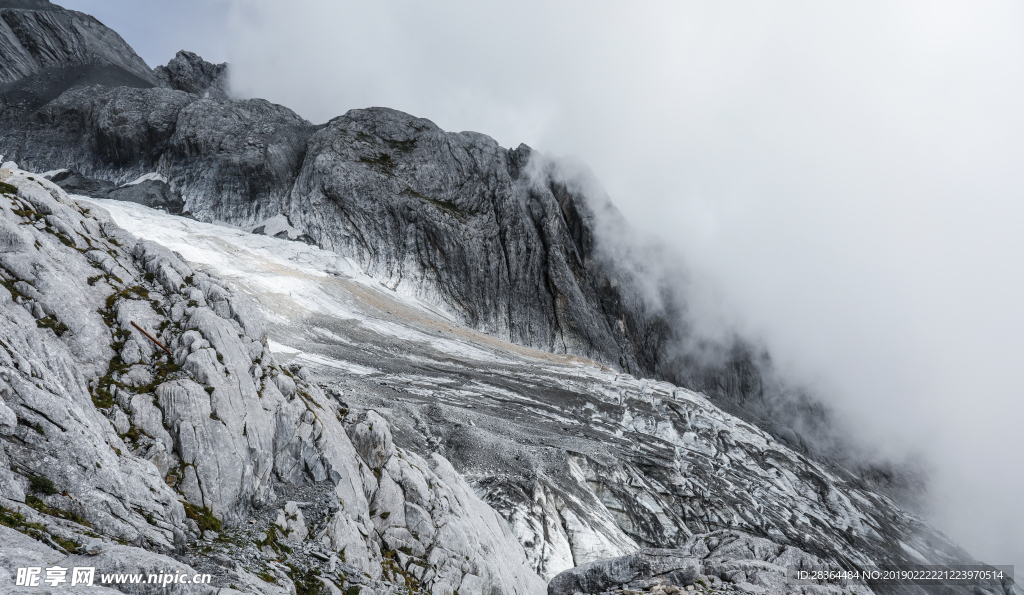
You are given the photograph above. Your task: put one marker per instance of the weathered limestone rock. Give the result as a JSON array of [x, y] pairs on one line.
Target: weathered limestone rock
[[726, 561], [291, 523], [604, 575], [190, 73], [130, 439]]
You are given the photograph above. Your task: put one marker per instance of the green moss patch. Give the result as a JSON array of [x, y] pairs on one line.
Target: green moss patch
[[405, 146], [67, 515], [382, 163], [306, 581], [42, 485], [58, 327], [394, 571], [203, 517]]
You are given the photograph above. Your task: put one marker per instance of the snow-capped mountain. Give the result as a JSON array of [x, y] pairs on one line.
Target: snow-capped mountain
[[374, 357]]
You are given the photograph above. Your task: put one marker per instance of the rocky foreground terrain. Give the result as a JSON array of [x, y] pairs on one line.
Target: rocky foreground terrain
[[412, 361]]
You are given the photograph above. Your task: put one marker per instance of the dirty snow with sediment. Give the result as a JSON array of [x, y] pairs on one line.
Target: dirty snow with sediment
[[294, 281]]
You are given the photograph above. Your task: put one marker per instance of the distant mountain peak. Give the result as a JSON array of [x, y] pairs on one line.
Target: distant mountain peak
[[188, 72]]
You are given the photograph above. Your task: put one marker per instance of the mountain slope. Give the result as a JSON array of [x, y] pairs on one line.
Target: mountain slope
[[583, 462], [372, 434], [45, 50], [157, 441]]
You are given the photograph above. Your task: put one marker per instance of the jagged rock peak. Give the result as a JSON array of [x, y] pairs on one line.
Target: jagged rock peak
[[188, 72], [36, 36]]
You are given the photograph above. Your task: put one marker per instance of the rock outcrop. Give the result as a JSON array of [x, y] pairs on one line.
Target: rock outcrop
[[724, 562], [189, 73], [45, 50], [36, 35], [140, 403]]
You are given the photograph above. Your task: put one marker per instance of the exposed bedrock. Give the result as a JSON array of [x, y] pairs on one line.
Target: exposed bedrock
[[510, 242], [504, 240], [161, 439]]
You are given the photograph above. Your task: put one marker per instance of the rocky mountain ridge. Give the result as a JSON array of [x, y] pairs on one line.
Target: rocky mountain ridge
[[108, 439], [509, 242], [381, 446]]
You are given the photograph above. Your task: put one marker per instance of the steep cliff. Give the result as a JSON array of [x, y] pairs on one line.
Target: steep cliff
[[506, 245], [389, 458]]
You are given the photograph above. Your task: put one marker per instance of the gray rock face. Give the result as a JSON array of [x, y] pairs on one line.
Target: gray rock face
[[103, 432], [189, 73], [156, 194], [503, 240], [235, 160], [676, 567], [115, 134], [38, 35], [75, 183], [721, 562], [48, 50], [451, 219]]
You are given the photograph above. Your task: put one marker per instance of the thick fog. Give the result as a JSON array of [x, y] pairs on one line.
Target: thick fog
[[846, 179]]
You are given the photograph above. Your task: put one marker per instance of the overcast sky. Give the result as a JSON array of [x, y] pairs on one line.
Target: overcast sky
[[847, 176]]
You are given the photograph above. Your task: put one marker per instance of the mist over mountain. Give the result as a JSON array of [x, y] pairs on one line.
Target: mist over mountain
[[512, 245]]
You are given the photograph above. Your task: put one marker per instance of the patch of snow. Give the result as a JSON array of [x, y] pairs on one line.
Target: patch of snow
[[273, 227], [276, 347], [49, 174], [145, 177], [320, 360], [294, 279]]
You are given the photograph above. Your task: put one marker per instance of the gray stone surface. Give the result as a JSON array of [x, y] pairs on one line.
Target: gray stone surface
[[524, 247], [190, 73], [39, 35], [51, 49], [204, 446], [676, 567], [432, 473], [720, 562], [152, 193]]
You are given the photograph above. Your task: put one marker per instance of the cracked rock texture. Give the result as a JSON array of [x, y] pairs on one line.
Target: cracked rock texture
[[190, 73], [506, 241], [405, 436], [720, 562], [105, 433], [36, 35]]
